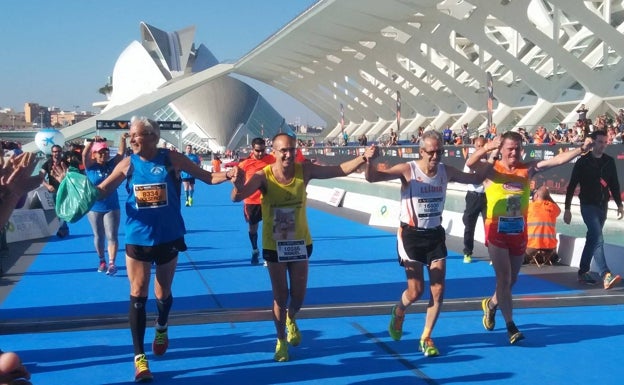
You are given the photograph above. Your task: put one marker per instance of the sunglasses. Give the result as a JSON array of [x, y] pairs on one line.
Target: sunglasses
[[432, 153]]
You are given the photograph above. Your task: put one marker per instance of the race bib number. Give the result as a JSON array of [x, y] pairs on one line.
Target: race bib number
[[149, 196], [429, 207], [510, 225], [291, 251]]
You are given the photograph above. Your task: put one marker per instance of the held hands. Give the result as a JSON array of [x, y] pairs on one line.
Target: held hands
[[587, 145], [493, 148], [370, 153], [234, 175], [494, 144]]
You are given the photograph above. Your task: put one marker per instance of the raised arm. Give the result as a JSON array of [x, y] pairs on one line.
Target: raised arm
[[325, 172], [474, 160], [87, 159], [16, 179], [242, 189], [121, 149], [183, 163], [477, 177], [564, 157], [373, 174], [113, 181]]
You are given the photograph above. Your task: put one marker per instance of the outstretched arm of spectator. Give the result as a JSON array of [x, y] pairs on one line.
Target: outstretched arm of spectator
[[16, 179]]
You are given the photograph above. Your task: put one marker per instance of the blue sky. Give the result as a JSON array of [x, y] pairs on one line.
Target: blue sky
[[59, 53]]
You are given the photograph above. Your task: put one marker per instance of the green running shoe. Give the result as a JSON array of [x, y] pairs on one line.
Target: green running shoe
[[396, 325], [428, 348]]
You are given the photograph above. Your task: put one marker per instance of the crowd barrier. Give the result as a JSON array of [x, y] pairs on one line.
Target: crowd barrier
[[385, 213], [556, 179]]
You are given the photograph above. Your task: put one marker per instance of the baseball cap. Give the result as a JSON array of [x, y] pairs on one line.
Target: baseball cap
[[97, 146]]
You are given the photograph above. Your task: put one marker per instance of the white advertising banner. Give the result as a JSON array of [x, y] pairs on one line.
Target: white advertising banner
[[27, 224], [46, 198]]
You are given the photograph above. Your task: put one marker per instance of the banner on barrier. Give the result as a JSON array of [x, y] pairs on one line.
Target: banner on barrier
[[385, 215], [27, 224], [46, 198], [335, 199]]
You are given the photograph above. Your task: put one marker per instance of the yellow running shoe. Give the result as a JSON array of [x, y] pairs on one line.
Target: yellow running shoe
[[489, 315], [396, 325], [294, 335], [141, 369], [281, 351]]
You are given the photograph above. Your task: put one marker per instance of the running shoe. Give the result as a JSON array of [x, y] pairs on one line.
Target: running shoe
[[102, 267], [190, 201], [396, 325], [281, 351], [265, 264], [254, 257], [141, 369], [586, 278], [187, 204], [514, 334], [294, 335], [467, 258], [489, 315], [611, 280], [428, 348], [161, 342], [112, 269]]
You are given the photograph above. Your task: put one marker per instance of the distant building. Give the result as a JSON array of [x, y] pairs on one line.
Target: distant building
[[38, 115], [61, 118]]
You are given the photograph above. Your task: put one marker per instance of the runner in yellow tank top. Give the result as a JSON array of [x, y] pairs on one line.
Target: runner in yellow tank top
[[507, 189], [286, 239]]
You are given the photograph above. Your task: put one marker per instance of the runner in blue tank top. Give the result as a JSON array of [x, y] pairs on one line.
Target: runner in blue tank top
[[154, 228]]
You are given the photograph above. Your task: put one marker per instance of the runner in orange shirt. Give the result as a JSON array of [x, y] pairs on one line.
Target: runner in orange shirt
[[252, 210]]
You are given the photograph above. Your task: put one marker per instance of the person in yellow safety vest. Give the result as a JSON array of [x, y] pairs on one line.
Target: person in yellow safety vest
[[541, 226]]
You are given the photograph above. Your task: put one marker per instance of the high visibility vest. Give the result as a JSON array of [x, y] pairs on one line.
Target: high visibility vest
[[541, 224]]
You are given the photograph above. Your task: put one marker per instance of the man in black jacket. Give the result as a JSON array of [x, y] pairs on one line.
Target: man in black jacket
[[597, 175]]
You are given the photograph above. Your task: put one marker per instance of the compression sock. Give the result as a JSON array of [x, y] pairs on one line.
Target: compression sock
[[164, 306], [137, 316], [254, 240]]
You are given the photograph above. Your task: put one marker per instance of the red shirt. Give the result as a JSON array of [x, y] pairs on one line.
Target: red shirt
[[251, 165]]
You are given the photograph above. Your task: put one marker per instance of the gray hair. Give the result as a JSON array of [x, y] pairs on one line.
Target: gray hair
[[432, 134], [149, 124]]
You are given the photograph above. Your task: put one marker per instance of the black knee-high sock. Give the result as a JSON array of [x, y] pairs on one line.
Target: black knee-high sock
[[254, 240], [164, 306], [137, 319]]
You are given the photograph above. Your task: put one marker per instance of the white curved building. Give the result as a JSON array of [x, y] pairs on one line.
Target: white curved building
[[225, 113], [546, 57]]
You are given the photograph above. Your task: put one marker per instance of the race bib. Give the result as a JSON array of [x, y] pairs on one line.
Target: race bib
[[429, 207], [291, 251], [149, 196], [510, 225]]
